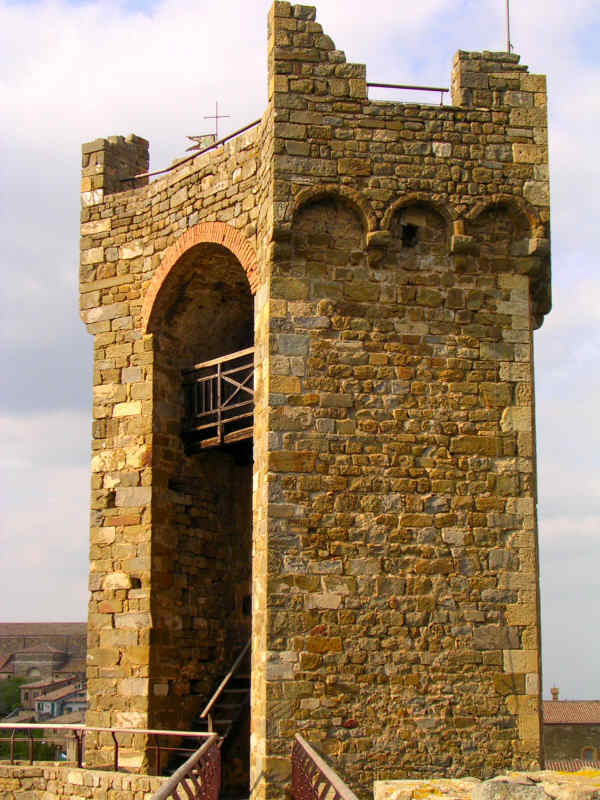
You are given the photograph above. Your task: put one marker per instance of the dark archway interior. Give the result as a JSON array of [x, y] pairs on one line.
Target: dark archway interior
[[202, 508]]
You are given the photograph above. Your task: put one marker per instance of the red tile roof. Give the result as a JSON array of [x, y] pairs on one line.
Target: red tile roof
[[571, 765], [42, 628], [4, 664], [65, 691], [571, 712], [73, 718], [38, 684], [20, 716], [39, 648]]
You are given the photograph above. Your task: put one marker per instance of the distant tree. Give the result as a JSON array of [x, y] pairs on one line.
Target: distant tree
[[9, 695], [9, 701], [42, 750]]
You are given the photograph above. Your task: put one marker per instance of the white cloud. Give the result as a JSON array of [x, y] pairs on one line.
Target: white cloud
[[44, 518]]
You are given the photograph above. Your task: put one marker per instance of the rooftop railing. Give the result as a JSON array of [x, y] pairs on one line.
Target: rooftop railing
[[442, 90], [186, 159]]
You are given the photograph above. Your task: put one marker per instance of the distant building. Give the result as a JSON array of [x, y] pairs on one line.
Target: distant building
[[66, 700], [42, 651], [29, 692], [35, 662], [571, 733]]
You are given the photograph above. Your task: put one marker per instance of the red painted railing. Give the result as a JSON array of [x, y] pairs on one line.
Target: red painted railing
[[199, 778], [312, 778], [61, 733]]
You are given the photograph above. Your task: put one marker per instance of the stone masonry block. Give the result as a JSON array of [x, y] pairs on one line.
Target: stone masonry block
[[133, 496], [495, 637], [499, 789]]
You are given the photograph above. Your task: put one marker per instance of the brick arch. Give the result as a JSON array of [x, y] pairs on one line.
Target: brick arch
[[515, 204], [447, 213], [354, 199], [205, 232]]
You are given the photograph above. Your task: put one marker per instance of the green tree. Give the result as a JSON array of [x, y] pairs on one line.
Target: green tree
[[42, 751], [9, 695]]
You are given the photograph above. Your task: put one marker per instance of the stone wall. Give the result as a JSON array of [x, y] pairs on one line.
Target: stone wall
[[54, 782], [409, 271], [68, 637], [544, 785], [577, 741], [156, 644], [398, 255]]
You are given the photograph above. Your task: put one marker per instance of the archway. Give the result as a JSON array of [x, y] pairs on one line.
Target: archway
[[201, 501]]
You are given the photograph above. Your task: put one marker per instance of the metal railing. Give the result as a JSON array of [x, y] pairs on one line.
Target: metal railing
[[78, 733], [206, 712], [312, 778], [439, 89], [199, 778], [180, 162], [219, 399]]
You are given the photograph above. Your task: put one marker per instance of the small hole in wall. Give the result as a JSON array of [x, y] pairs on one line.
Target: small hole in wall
[[410, 235], [136, 583], [247, 605]]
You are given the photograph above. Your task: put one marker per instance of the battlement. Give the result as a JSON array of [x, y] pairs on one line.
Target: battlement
[[107, 162]]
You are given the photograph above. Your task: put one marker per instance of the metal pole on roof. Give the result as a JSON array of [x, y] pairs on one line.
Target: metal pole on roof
[[508, 44]]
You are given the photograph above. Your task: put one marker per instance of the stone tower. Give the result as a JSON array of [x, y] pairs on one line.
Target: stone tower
[[388, 262]]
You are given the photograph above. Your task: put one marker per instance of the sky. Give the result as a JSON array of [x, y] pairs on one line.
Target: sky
[[71, 72]]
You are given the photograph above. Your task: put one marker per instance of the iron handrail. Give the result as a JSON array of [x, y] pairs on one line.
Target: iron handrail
[[79, 732], [256, 122], [310, 772], [194, 775], [223, 684], [413, 88], [220, 360], [185, 160]]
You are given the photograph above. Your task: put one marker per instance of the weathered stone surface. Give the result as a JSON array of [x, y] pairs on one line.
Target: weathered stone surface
[[61, 782], [499, 789], [117, 580], [379, 257], [515, 786]]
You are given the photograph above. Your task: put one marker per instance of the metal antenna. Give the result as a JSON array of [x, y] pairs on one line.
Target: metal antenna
[[508, 44]]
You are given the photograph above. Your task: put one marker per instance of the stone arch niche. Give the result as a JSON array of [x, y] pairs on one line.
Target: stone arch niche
[[201, 501], [419, 235], [508, 236], [501, 230]]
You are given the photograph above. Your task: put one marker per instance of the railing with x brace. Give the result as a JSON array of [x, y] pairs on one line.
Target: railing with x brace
[[219, 400], [199, 778], [313, 778]]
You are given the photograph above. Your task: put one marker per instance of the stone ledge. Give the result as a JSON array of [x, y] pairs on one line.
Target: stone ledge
[[63, 781], [538, 785]]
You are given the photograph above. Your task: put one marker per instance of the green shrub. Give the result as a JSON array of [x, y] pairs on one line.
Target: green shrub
[[9, 695]]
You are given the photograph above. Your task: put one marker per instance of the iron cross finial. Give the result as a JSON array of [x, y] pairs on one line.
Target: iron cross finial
[[216, 118]]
